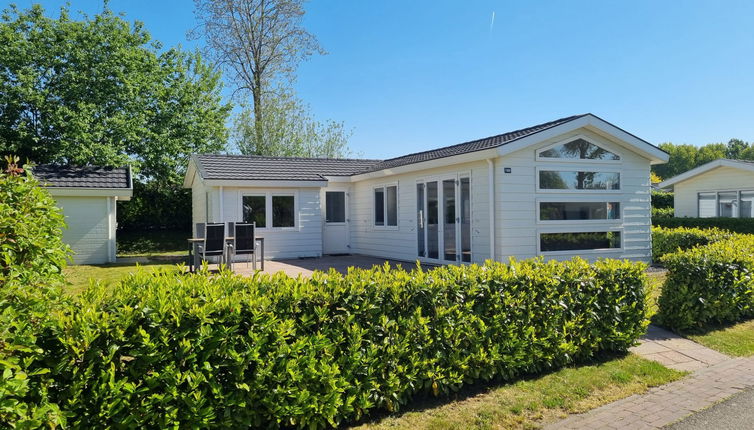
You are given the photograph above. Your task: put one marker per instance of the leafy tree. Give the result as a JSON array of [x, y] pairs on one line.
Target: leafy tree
[[100, 91], [686, 157], [289, 130], [736, 149]]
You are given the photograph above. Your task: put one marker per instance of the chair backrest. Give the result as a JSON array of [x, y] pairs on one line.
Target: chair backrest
[[214, 238], [244, 238]]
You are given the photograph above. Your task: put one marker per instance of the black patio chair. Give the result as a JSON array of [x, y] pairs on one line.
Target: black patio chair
[[214, 241], [244, 241]]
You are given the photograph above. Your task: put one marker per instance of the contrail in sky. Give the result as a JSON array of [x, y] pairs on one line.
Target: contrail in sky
[[492, 23]]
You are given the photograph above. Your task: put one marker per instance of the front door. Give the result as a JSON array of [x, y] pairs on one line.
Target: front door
[[443, 215], [335, 232]]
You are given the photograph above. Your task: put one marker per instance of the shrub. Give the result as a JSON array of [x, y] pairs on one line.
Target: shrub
[[662, 200], [32, 256], [707, 285], [175, 350], [668, 240], [735, 225], [662, 213]]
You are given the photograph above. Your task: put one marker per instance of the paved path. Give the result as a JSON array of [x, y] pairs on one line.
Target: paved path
[[716, 377], [735, 413], [676, 352]]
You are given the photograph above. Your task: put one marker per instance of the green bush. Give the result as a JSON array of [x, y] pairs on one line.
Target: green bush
[[662, 213], [735, 225], [32, 257], [662, 200], [178, 350], [668, 240], [708, 285]]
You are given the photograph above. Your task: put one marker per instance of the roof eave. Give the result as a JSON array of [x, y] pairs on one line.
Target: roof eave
[[265, 183], [467, 157]]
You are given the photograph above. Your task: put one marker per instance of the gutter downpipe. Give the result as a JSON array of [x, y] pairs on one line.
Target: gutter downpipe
[[491, 198]]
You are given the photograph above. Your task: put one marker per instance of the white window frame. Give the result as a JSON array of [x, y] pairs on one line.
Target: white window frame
[[576, 168], [717, 201], [345, 207], [576, 199], [384, 206], [268, 208], [586, 229], [578, 160]]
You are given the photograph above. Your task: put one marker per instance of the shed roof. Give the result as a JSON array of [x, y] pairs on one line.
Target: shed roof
[[92, 177], [704, 168]]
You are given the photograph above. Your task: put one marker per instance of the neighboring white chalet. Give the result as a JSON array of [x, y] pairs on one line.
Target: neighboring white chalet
[[574, 186], [88, 197], [720, 188]]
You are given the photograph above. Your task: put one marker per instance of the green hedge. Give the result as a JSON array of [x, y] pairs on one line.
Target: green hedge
[[32, 256], [662, 200], [668, 240], [662, 213], [175, 350], [736, 225], [709, 285]]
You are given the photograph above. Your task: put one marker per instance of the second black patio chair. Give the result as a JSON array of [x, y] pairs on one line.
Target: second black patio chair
[[244, 241]]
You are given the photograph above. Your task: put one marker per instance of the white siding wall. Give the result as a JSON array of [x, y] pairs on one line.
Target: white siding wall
[[719, 179], [400, 242], [304, 240], [517, 200], [198, 202], [91, 228]]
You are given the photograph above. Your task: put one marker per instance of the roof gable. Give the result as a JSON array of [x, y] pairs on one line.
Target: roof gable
[[704, 168]]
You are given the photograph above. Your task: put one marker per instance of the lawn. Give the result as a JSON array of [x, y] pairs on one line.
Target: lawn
[[530, 403], [80, 276], [736, 340], [152, 243]]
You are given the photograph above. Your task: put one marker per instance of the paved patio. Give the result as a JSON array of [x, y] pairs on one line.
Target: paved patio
[[305, 266]]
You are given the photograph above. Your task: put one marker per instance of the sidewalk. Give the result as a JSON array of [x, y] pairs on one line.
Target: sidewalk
[[716, 377]]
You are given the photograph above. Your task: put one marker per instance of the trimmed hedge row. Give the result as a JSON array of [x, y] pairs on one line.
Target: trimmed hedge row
[[175, 350], [662, 200], [708, 285], [669, 240], [735, 225], [662, 213]]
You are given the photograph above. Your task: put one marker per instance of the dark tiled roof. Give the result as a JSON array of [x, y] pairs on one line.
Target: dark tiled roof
[[83, 177], [315, 169], [252, 167], [471, 146]]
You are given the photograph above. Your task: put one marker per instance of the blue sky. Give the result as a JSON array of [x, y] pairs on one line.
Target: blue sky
[[413, 75]]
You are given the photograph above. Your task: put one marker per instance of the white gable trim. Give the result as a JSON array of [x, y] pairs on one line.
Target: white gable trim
[[591, 122], [704, 168]]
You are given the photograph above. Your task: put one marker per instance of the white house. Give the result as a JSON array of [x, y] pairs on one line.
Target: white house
[[574, 186], [720, 188], [88, 197]]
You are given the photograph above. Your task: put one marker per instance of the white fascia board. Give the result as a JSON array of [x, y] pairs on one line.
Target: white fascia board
[[704, 168], [120, 193], [263, 184], [591, 122], [431, 164], [188, 179]]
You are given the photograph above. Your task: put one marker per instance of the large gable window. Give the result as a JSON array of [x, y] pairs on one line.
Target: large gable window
[[386, 206], [579, 241], [578, 149], [578, 211]]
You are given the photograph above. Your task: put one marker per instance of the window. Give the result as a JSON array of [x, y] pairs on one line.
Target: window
[[255, 210], [726, 204], [550, 242], [386, 206], [283, 211], [572, 211], [578, 180], [746, 209], [578, 149], [335, 206], [707, 205]]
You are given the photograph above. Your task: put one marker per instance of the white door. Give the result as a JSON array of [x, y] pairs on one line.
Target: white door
[[88, 229], [335, 231]]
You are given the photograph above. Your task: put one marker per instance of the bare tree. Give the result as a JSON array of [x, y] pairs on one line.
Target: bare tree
[[258, 43]]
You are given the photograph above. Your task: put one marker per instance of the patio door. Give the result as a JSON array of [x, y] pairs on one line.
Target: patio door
[[443, 214], [335, 234]]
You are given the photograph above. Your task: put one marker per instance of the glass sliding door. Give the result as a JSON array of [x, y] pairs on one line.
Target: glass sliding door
[[449, 218], [421, 230], [433, 221], [465, 213]]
